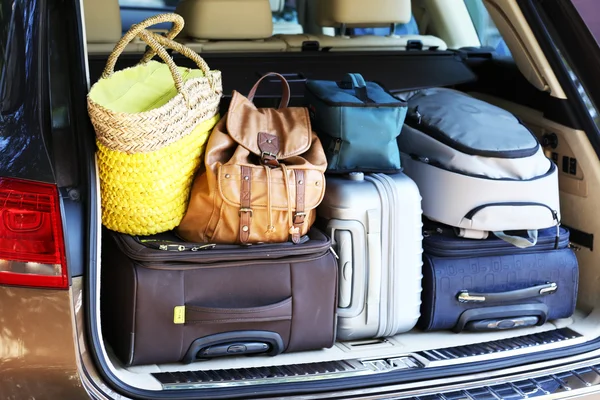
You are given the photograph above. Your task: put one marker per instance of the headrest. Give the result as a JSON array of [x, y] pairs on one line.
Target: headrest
[[277, 5], [226, 19], [102, 21], [362, 13]]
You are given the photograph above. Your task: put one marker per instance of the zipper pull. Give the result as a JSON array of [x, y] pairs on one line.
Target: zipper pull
[[418, 114], [430, 232], [177, 247], [171, 247], [337, 145], [204, 247], [334, 253]]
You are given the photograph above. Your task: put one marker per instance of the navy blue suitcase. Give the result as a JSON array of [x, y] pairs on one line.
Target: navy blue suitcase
[[489, 284]]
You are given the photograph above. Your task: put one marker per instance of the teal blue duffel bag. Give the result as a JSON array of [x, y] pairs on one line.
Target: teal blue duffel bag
[[358, 123]]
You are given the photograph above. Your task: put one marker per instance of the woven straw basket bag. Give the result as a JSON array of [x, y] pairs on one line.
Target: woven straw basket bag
[[152, 122]]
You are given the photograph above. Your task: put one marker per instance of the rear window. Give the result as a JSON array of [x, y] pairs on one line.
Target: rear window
[[488, 33], [134, 11], [12, 58]]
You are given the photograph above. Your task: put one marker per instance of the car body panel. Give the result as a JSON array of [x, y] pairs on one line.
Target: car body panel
[[37, 354]]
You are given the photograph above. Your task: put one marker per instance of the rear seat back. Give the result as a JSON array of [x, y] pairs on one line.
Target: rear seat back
[[228, 26], [343, 14], [103, 27], [247, 26], [360, 13]]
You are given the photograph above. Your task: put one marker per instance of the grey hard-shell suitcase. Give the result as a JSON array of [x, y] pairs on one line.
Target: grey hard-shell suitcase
[[375, 224]]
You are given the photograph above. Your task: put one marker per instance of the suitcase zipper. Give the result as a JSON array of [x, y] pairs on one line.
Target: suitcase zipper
[[171, 246], [165, 245], [217, 252], [391, 303], [465, 247], [384, 193], [179, 266]]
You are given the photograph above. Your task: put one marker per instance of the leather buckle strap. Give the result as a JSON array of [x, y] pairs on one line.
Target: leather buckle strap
[[299, 215], [269, 159], [299, 218], [245, 211], [269, 147]]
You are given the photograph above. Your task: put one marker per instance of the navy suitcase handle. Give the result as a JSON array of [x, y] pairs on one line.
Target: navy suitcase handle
[[464, 296]]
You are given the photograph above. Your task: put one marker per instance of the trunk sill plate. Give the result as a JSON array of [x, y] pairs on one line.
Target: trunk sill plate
[[537, 342]]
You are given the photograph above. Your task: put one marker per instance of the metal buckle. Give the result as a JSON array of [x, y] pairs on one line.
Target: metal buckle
[[245, 210], [301, 215], [266, 153]]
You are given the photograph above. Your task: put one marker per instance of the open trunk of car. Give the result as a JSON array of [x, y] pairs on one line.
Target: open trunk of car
[[415, 355]]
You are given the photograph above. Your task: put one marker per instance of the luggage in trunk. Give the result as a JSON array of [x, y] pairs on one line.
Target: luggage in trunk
[[490, 284], [375, 224], [358, 123], [165, 300], [477, 167]]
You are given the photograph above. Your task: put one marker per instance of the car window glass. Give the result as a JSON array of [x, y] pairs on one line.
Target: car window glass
[[589, 11], [12, 55], [488, 33]]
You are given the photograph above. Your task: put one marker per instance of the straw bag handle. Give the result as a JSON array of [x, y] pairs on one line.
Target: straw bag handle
[[134, 31], [158, 43]]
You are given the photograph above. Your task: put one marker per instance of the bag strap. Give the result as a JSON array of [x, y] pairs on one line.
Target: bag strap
[[356, 82], [245, 211], [158, 45], [285, 97], [519, 241]]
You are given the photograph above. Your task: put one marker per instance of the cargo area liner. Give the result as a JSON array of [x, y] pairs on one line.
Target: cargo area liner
[[408, 351]]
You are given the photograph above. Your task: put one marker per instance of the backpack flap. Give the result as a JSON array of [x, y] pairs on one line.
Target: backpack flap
[[271, 134]]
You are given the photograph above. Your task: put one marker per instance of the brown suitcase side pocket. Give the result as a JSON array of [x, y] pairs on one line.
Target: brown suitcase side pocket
[[280, 311], [214, 331]]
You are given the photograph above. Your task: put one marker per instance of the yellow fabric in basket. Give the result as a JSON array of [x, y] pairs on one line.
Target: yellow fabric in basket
[[139, 89], [148, 193]]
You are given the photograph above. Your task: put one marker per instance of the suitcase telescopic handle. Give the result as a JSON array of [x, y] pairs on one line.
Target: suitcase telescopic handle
[[464, 296]]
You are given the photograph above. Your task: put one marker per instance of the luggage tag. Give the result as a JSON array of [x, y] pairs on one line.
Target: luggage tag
[[179, 315]]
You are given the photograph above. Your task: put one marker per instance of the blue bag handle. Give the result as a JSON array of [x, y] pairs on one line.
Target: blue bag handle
[[355, 81]]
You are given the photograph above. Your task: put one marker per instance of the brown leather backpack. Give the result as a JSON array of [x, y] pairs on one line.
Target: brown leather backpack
[[263, 178]]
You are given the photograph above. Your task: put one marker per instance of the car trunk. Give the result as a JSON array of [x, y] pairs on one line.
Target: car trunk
[[407, 355]]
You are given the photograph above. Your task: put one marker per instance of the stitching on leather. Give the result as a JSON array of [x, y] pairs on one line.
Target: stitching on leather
[[214, 211], [214, 232]]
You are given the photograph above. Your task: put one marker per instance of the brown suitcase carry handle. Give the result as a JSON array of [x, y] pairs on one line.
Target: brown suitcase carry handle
[[272, 340], [285, 97]]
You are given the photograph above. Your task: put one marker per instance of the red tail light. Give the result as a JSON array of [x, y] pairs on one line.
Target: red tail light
[[32, 251]]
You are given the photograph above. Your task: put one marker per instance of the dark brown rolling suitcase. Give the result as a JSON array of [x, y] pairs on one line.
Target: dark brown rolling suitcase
[[164, 300]]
